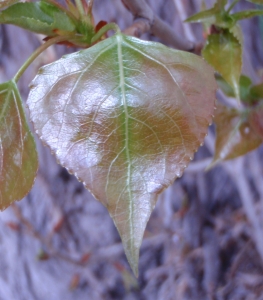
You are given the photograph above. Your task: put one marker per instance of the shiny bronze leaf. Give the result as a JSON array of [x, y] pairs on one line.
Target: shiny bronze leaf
[[18, 156], [125, 116], [234, 134]]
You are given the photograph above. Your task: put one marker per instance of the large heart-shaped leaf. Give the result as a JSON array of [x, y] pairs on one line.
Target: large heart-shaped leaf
[[234, 134], [18, 156], [39, 17], [125, 116], [224, 52]]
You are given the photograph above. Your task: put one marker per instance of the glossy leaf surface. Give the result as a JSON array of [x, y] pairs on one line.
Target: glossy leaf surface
[[18, 156], [224, 52], [234, 135], [125, 116], [39, 17]]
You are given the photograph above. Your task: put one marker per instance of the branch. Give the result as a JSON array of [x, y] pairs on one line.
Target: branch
[[146, 21]]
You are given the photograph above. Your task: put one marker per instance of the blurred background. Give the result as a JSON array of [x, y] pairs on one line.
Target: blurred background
[[204, 239]]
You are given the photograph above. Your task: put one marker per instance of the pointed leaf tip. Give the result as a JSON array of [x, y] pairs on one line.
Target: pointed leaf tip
[[125, 116]]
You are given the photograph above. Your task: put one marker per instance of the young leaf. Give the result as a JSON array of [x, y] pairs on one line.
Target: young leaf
[[249, 94], [224, 86], [256, 119], [244, 87], [125, 116], [39, 17], [234, 135], [215, 15], [224, 52], [237, 32], [207, 16], [256, 91], [246, 14], [18, 156], [6, 3]]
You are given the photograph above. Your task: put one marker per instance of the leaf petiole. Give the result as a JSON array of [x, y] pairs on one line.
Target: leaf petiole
[[37, 52], [103, 30], [80, 7]]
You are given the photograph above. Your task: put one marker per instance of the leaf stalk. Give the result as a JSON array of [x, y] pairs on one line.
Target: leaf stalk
[[37, 52], [80, 7], [103, 30]]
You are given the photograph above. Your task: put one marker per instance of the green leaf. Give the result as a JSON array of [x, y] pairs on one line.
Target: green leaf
[[205, 16], [248, 94], [246, 14], [6, 3], [234, 135], [224, 52], [18, 156], [244, 87], [256, 91], [39, 17], [224, 86], [125, 116], [238, 34], [215, 15]]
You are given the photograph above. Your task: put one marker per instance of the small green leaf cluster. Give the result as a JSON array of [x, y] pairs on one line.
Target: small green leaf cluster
[[238, 130], [54, 20]]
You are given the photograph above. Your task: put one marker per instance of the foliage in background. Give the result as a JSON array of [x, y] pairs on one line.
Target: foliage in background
[[239, 130]]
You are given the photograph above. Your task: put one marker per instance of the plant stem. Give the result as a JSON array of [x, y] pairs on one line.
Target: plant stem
[[37, 52], [80, 7], [90, 5], [103, 30], [232, 5]]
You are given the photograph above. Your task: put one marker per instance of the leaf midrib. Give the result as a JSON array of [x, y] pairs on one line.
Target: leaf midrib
[[122, 86]]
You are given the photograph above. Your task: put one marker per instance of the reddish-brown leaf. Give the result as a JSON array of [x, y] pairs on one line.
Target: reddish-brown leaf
[[234, 134], [125, 116]]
